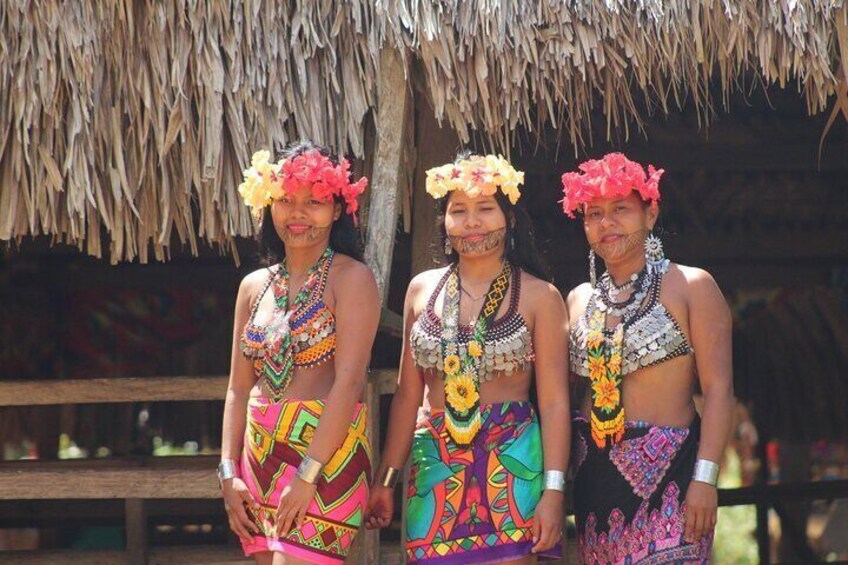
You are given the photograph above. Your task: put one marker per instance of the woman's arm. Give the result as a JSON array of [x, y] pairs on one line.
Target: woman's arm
[[402, 417], [235, 407], [710, 326], [550, 340], [357, 313]]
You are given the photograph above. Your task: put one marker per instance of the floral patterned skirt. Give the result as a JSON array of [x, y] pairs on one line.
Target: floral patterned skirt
[[629, 499], [475, 503]]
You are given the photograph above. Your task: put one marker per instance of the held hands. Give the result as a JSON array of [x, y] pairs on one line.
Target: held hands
[[294, 502], [701, 511], [380, 507], [547, 520], [236, 496]]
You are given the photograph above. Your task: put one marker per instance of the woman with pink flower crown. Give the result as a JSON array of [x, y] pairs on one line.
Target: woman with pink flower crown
[[643, 336], [295, 458], [487, 476]]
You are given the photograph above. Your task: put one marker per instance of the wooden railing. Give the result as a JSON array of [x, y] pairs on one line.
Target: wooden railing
[[139, 480]]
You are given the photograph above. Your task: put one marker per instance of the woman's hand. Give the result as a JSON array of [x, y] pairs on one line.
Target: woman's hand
[[701, 510], [236, 496], [380, 508], [294, 502], [547, 520]]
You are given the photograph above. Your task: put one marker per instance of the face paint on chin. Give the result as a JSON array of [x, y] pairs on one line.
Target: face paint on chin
[[311, 235], [620, 248], [490, 241]]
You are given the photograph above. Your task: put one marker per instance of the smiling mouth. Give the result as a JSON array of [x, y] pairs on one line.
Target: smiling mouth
[[611, 238], [297, 228]]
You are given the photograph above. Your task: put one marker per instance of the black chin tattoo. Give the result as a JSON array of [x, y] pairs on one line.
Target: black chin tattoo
[[622, 247], [310, 235], [490, 241]]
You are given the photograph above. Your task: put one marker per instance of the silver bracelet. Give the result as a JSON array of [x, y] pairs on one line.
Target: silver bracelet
[[309, 470], [554, 480], [706, 471], [227, 470]]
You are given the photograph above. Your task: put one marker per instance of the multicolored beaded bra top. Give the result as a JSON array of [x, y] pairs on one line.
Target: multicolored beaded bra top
[[508, 347], [302, 334], [651, 338]]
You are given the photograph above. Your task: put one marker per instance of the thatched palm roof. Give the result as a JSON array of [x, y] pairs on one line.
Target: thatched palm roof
[[115, 117]]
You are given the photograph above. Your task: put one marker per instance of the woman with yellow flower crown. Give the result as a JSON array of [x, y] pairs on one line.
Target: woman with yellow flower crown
[[295, 464], [487, 480], [645, 468]]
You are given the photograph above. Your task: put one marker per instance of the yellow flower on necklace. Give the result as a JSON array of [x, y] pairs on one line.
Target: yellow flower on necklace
[[461, 393], [474, 349], [594, 339], [614, 362], [452, 364], [606, 394], [597, 368]]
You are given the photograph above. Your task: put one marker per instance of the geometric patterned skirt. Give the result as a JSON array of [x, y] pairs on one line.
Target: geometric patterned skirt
[[276, 439], [629, 500], [475, 504]]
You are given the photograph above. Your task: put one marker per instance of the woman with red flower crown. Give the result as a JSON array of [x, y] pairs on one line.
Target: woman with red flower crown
[[296, 465], [642, 337], [487, 478]]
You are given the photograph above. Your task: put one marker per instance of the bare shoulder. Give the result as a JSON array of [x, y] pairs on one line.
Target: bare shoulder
[[539, 293], [349, 271], [425, 281], [697, 287], [253, 282], [695, 279], [578, 295]]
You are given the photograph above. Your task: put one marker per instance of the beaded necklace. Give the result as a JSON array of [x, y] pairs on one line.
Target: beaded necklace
[[279, 365], [462, 368]]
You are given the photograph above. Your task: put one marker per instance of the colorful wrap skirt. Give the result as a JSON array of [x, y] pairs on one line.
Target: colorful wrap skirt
[[629, 499], [475, 504], [276, 439]]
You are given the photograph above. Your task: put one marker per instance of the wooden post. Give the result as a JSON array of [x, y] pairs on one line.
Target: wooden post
[[393, 99], [392, 103], [136, 520]]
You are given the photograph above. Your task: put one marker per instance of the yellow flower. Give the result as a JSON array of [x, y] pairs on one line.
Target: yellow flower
[[260, 186], [614, 363], [461, 393], [606, 394], [452, 364], [475, 176], [594, 339], [597, 368], [474, 349]]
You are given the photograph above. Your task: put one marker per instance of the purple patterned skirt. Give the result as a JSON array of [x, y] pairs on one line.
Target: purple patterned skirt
[[629, 499]]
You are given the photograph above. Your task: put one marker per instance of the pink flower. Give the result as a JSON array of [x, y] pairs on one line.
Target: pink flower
[[613, 176]]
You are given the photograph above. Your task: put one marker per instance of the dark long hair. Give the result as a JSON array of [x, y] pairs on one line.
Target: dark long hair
[[345, 236], [521, 250]]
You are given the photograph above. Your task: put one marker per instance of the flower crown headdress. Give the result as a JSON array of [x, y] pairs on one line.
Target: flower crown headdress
[[265, 181], [476, 175], [612, 176]]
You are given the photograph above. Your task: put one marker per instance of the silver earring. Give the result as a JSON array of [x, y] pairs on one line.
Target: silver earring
[[448, 246], [654, 254], [593, 272]]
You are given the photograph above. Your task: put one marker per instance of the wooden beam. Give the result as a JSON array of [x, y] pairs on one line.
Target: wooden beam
[[129, 389], [392, 107], [159, 477], [106, 512], [205, 554]]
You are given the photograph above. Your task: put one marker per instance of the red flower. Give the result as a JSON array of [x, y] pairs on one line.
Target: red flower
[[613, 176]]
